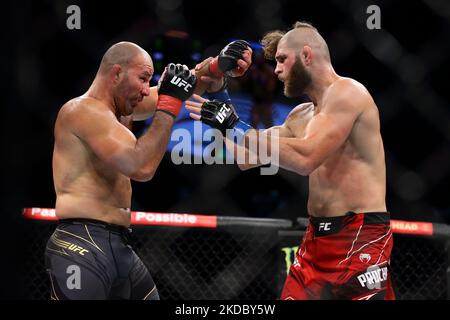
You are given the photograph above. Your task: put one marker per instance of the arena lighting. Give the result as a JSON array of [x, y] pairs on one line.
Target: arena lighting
[[158, 56], [176, 34], [196, 56]]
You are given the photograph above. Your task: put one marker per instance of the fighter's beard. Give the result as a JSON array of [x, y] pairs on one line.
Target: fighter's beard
[[297, 81]]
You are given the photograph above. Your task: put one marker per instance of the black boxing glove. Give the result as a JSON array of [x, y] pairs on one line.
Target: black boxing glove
[[176, 85], [222, 115], [227, 58]]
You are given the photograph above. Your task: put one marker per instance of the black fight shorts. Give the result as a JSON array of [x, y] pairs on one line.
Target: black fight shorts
[[92, 260]]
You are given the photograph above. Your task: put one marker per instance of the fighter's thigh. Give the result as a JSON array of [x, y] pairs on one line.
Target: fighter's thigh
[[142, 285], [373, 283], [293, 289], [72, 280], [367, 275]]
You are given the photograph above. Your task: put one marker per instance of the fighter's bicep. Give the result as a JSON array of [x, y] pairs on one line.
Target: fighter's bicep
[[114, 146], [328, 131], [107, 138]]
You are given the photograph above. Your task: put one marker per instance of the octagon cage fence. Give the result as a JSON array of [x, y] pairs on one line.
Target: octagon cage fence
[[195, 257]]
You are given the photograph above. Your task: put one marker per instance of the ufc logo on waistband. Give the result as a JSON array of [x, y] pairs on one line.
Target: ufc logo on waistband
[[180, 83], [325, 226], [222, 113]]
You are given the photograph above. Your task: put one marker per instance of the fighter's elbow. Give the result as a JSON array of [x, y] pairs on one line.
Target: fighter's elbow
[[244, 166], [143, 175], [142, 116], [306, 167], [304, 172]]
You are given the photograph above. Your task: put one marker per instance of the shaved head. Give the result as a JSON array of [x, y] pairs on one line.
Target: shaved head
[[122, 53], [124, 73], [302, 34]]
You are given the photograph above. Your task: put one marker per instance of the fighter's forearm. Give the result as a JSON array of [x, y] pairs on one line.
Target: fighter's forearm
[[146, 108], [295, 155], [245, 154], [150, 148], [203, 86], [261, 148]]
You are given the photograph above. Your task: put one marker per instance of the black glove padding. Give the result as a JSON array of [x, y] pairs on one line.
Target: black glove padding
[[177, 82], [219, 115], [229, 55]]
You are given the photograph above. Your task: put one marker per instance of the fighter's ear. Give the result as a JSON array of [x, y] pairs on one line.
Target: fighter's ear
[[115, 73], [306, 55]]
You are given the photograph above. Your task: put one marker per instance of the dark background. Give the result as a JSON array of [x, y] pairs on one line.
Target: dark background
[[405, 65]]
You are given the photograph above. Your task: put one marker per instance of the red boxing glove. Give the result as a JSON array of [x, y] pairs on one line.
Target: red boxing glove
[[214, 68], [169, 105]]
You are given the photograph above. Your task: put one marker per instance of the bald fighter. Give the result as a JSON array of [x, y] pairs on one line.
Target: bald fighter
[[335, 140], [96, 155]]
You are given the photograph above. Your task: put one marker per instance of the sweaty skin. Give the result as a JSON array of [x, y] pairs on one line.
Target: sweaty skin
[[86, 185], [335, 140], [338, 144], [95, 153]]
